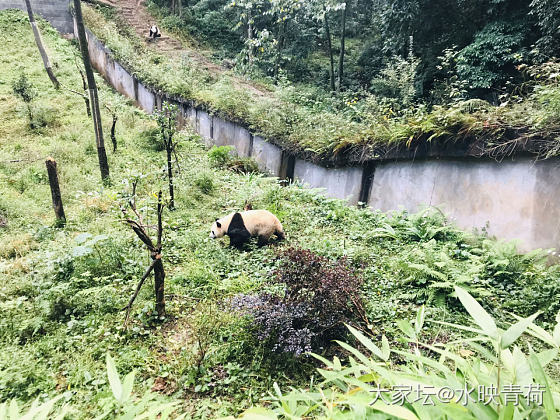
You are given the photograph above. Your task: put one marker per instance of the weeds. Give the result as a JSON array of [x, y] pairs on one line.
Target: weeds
[[225, 157], [61, 288]]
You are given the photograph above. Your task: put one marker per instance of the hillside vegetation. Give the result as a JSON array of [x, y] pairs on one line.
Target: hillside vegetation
[[237, 321], [354, 124]]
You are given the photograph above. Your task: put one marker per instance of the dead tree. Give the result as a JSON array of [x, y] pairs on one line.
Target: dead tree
[[140, 229], [55, 192], [84, 96], [97, 126], [39, 42], [85, 88], [167, 121], [113, 127]]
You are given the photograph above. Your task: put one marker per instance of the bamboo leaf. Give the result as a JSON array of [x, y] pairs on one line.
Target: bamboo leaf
[[420, 319], [394, 410], [128, 384], [385, 349], [541, 379], [366, 342], [406, 328], [477, 312], [113, 376], [515, 331]]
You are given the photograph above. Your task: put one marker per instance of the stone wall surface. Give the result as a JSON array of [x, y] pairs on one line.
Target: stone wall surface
[[343, 183], [514, 199], [517, 199], [267, 155], [204, 123], [146, 99]]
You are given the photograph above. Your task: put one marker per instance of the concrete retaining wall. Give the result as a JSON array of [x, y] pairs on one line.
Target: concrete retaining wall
[[267, 155], [146, 99], [343, 183], [204, 123], [517, 199], [57, 12]]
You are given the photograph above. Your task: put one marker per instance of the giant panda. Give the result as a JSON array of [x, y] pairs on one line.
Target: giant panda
[[154, 32], [241, 227]]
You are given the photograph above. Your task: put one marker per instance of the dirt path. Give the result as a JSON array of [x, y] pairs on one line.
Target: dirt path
[[137, 16]]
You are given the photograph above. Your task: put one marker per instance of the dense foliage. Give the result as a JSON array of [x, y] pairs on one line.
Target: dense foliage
[[63, 286], [487, 377], [395, 112], [296, 38]]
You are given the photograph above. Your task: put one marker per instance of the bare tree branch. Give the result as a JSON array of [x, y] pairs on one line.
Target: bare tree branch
[[138, 287]]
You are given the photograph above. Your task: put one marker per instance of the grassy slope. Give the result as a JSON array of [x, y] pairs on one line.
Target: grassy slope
[[308, 121], [60, 311]]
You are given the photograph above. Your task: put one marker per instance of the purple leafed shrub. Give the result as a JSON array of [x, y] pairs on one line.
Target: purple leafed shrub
[[320, 295]]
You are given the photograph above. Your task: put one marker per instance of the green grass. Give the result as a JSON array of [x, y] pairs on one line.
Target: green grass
[[61, 294]]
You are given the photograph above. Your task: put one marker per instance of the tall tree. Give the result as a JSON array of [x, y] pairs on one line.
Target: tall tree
[[318, 11], [342, 44], [283, 12], [39, 42], [548, 14], [330, 50], [94, 99], [177, 7]]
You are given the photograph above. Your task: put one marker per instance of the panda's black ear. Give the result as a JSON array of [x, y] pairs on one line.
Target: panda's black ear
[[218, 223]]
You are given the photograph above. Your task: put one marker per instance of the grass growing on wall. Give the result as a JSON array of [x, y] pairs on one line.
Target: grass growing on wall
[[321, 126], [62, 288]]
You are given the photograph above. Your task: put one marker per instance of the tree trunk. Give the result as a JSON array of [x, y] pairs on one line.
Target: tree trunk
[[169, 150], [159, 285], [113, 135], [30, 115], [159, 273], [329, 46], [39, 43], [101, 153], [84, 85], [250, 38], [55, 191], [155, 254], [281, 38], [342, 40]]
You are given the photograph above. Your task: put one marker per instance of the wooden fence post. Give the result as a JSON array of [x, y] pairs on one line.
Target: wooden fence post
[[55, 191]]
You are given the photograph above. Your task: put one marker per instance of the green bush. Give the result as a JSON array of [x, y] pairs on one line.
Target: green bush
[[489, 60], [152, 138], [23, 88], [220, 156], [224, 157], [205, 183]]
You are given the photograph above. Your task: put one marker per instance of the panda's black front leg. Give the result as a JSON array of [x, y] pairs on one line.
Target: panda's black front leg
[[236, 243], [239, 237]]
